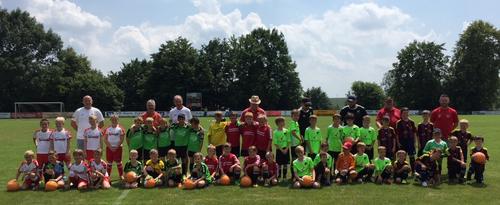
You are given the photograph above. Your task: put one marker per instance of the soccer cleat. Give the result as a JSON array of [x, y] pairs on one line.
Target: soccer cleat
[[424, 184]]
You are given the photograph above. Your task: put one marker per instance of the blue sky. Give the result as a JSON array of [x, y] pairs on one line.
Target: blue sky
[[333, 42]]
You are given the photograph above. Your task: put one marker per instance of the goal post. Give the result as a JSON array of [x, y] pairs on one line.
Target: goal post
[[36, 109]]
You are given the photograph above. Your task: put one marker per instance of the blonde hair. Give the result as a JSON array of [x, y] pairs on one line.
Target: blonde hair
[[29, 153], [60, 119], [93, 117], [150, 119], [134, 151], [465, 121]]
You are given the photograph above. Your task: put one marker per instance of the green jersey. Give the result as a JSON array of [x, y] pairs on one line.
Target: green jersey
[[164, 138], [313, 136], [281, 138], [304, 167], [368, 135], [150, 139], [361, 161], [294, 127], [381, 164], [195, 140], [334, 138], [135, 139], [180, 134], [137, 169], [203, 171], [329, 160], [432, 144], [350, 131], [170, 165]]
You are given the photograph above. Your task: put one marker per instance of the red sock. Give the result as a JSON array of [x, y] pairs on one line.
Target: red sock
[[120, 168], [110, 167]]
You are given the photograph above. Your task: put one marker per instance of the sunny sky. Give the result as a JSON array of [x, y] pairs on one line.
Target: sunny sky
[[333, 42]]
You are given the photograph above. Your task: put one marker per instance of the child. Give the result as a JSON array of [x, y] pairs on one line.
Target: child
[[456, 164], [133, 166], [98, 172], [464, 137], [41, 138], [329, 158], [92, 138], [350, 130], [281, 141], [383, 167], [200, 173], [229, 164], [303, 166], [426, 167], [323, 169], [134, 138], [29, 171], [173, 169], [334, 137], [233, 133], [313, 137], [153, 169], [113, 138], [149, 137], [53, 170], [401, 167], [368, 135], [424, 131], [217, 132], [78, 171], [164, 140], [248, 131], [212, 162], [295, 137], [270, 170], [263, 139], [406, 135], [196, 136], [387, 137], [363, 166], [60, 141], [436, 143], [346, 165], [251, 165], [475, 168], [180, 133]]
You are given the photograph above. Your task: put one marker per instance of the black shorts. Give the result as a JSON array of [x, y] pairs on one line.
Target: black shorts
[[146, 154], [176, 178], [292, 150], [191, 154], [262, 154], [244, 152], [236, 151], [408, 146], [162, 151], [218, 150], [181, 151], [282, 158]]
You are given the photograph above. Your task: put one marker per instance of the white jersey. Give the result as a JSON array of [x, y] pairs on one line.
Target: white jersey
[[93, 137], [114, 134], [81, 117], [28, 168], [61, 139], [43, 141], [79, 170], [174, 112], [101, 167]]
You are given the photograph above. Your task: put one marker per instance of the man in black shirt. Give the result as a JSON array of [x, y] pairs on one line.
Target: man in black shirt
[[357, 110], [305, 111]]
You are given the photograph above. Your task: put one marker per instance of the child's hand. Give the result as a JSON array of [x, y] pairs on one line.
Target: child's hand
[[424, 167], [462, 164]]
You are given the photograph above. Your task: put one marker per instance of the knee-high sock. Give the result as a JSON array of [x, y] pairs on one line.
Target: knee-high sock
[[119, 165], [285, 170], [412, 162], [110, 168]]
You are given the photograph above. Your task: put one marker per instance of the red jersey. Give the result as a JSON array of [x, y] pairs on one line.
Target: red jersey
[[233, 134], [272, 168], [251, 160], [255, 113], [248, 135], [225, 162], [212, 164], [394, 114], [424, 133], [446, 119], [263, 138]]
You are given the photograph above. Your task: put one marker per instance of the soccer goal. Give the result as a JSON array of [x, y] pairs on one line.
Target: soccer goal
[[38, 109]]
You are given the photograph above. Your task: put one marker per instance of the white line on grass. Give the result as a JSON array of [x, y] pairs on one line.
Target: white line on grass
[[121, 197]]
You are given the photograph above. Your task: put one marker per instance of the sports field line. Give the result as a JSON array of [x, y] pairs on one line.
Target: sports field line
[[118, 200]]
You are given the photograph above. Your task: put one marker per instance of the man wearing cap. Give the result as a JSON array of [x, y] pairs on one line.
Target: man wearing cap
[[388, 110], [80, 120], [444, 117], [150, 112], [357, 110], [254, 108], [305, 112], [179, 109]]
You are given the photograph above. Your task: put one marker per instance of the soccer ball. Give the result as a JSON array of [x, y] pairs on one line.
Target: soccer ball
[[225, 180], [12, 185], [479, 158], [150, 183], [130, 177], [51, 186], [246, 181], [307, 181], [189, 184]]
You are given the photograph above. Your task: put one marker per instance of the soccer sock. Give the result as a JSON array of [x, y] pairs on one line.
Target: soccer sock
[[109, 168], [280, 171], [119, 165], [412, 162], [236, 175], [191, 165], [285, 170], [253, 176], [265, 174]]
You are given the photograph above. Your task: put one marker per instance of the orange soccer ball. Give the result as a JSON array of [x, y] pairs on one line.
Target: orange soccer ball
[[12, 185], [189, 184], [130, 177], [308, 181], [225, 180], [479, 158], [51, 186], [150, 183], [246, 181]]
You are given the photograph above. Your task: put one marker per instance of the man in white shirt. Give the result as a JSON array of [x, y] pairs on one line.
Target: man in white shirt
[[179, 109], [80, 120]]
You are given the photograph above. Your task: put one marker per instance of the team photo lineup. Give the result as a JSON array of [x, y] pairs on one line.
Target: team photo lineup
[[243, 150]]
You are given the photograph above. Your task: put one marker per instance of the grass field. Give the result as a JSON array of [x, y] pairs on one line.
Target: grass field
[[16, 137]]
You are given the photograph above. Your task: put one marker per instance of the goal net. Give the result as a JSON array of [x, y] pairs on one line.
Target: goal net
[[38, 109]]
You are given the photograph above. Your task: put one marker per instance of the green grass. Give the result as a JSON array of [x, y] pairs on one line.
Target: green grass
[[16, 137]]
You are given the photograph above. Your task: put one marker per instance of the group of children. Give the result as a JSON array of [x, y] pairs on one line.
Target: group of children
[[166, 153]]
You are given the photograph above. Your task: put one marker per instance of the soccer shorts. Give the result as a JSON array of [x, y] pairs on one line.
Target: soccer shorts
[[114, 156], [181, 151], [282, 158], [42, 159], [64, 158]]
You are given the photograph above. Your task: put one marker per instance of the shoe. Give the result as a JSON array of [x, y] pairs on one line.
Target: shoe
[[424, 184], [360, 180], [255, 185], [266, 184]]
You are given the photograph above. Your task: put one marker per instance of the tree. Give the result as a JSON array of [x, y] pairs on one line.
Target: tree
[[416, 78], [370, 95], [215, 57], [473, 79], [318, 97], [131, 79]]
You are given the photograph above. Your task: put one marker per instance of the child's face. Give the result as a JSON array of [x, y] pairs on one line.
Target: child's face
[[295, 116], [426, 117], [97, 155], [181, 121], [361, 149], [59, 124], [436, 136], [154, 156], [366, 122], [453, 143], [323, 158], [435, 155], [300, 153], [350, 121], [44, 125], [405, 114], [114, 121], [211, 152], [252, 152], [195, 124], [270, 158], [381, 152], [233, 118], [197, 159], [28, 158], [281, 124], [478, 143], [385, 123], [52, 158], [464, 126], [249, 120], [92, 122], [346, 151], [226, 150], [138, 122], [336, 120], [149, 124], [262, 120], [313, 121], [133, 156], [218, 118], [78, 157], [324, 148], [401, 157]]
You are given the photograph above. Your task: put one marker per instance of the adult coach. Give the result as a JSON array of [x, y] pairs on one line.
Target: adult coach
[[151, 112], [352, 107], [254, 108], [305, 112], [179, 109], [390, 110], [444, 117], [80, 120]]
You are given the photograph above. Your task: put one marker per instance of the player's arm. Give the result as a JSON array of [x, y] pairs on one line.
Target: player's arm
[[313, 174], [105, 139], [34, 139], [201, 134], [219, 167], [73, 124]]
